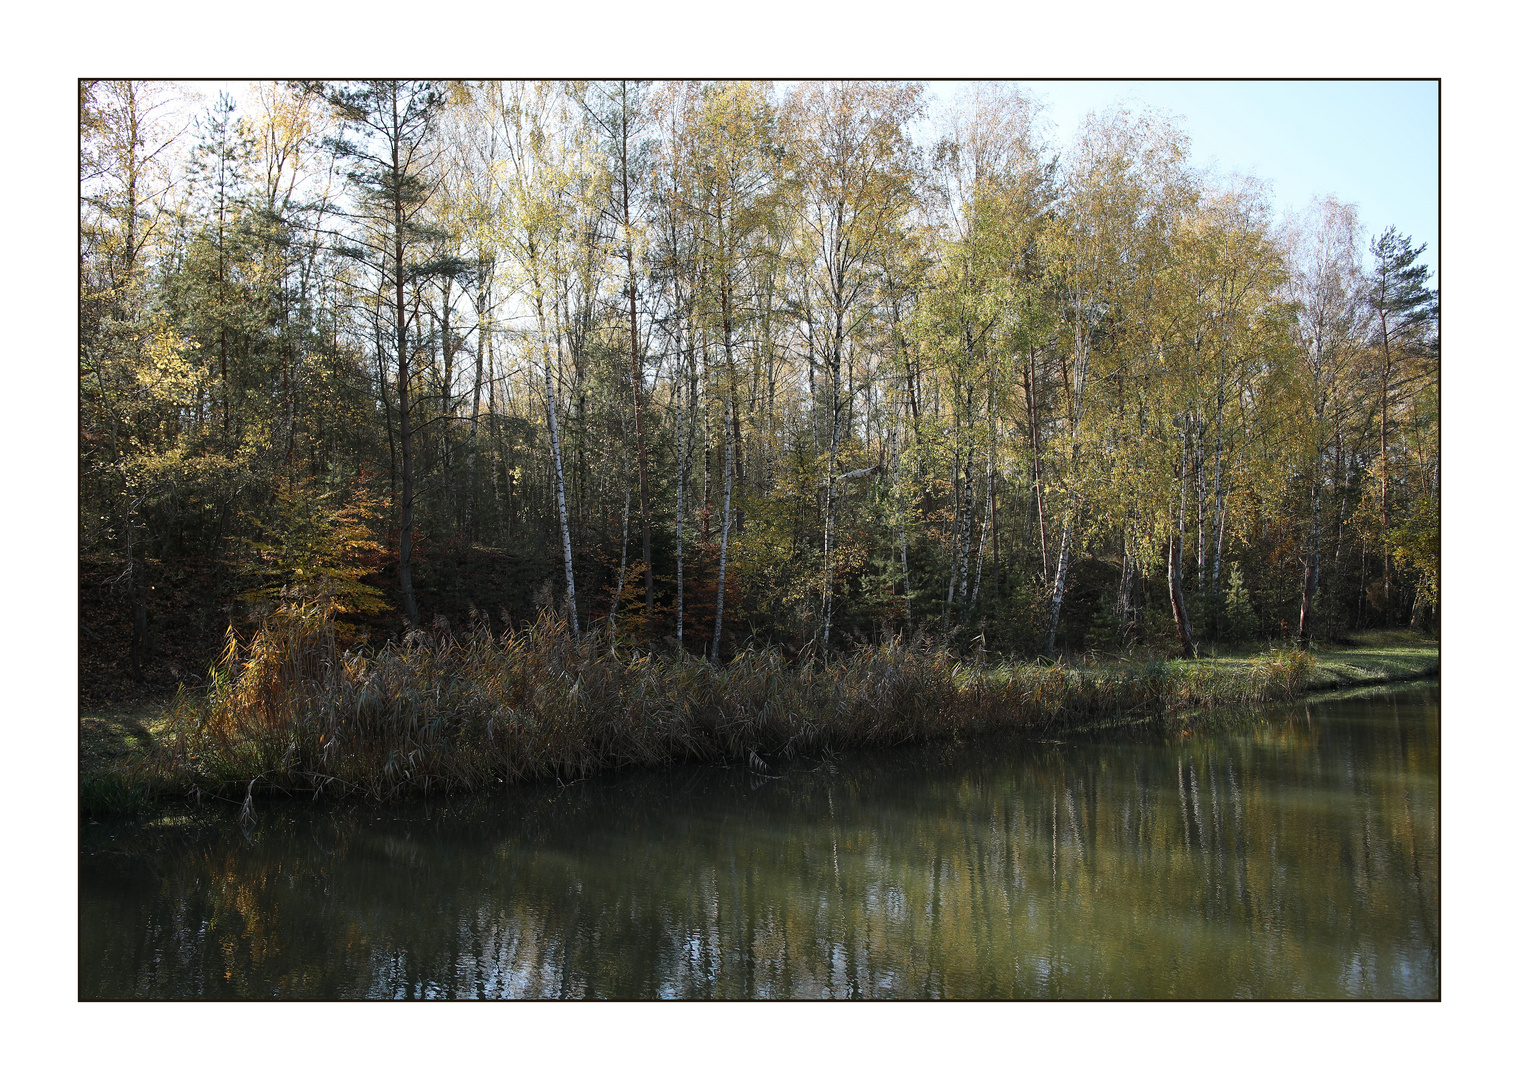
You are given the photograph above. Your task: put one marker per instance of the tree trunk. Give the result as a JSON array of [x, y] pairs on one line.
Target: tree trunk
[[446, 414], [403, 368], [722, 559], [1125, 579], [969, 524], [1178, 602], [1218, 540], [137, 593], [503, 520], [1062, 566], [622, 567], [482, 343], [636, 365], [1386, 519], [683, 443], [1076, 390], [970, 508], [403, 408], [902, 526], [1310, 571], [558, 461], [954, 538], [991, 486], [380, 383], [1199, 464], [986, 523], [1030, 386], [730, 432], [835, 364]]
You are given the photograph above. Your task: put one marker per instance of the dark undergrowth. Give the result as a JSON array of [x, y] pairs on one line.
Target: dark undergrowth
[[292, 712]]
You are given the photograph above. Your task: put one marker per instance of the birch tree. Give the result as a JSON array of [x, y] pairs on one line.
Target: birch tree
[[540, 158], [1126, 181], [854, 183], [1325, 289]]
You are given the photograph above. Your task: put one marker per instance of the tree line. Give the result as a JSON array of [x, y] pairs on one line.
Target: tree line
[[710, 365]]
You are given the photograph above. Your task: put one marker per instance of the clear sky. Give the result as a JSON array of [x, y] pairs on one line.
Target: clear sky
[[1372, 143]]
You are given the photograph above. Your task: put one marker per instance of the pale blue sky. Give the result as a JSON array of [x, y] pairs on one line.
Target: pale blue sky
[[1372, 143]]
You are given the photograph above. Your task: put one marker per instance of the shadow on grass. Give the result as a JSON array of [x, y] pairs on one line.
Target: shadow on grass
[[114, 744]]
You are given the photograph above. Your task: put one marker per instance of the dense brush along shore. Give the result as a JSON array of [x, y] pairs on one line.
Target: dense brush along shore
[[293, 712]]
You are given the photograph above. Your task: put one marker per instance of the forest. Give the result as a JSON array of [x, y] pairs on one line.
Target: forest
[[709, 368]]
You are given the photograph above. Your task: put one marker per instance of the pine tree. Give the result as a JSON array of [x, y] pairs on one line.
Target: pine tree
[[1404, 307], [388, 130]]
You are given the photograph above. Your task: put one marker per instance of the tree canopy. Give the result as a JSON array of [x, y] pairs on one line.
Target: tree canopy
[[842, 365]]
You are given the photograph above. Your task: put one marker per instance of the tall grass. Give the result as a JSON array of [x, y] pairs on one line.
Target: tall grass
[[293, 711]]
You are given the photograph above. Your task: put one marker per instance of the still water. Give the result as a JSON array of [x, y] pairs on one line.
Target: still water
[[1292, 852]]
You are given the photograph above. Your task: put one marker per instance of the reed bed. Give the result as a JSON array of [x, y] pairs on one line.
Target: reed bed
[[292, 711]]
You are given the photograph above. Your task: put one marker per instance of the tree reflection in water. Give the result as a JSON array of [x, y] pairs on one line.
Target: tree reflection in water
[[1289, 853]]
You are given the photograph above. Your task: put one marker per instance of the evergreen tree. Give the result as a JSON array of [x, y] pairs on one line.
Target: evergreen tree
[[1240, 621], [388, 129], [1404, 308]]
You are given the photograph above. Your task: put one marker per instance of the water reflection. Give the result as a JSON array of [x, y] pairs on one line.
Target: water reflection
[[1290, 854]]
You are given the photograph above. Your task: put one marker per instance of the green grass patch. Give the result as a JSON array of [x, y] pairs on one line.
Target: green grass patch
[[1382, 657], [1376, 657], [116, 746]]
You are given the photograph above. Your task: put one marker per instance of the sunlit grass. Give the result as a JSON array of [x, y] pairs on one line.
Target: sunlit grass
[[1375, 656], [1382, 654]]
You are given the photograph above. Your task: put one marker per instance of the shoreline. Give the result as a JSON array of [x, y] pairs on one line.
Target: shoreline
[[538, 707]]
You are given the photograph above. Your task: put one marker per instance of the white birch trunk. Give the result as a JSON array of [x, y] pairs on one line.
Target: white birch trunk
[[722, 559], [902, 527], [1062, 564], [986, 521], [954, 544], [682, 450], [564, 516], [828, 499], [481, 346]]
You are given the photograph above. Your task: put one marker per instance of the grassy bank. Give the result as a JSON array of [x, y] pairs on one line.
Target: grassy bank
[[118, 746], [1381, 657], [292, 712], [1372, 658]]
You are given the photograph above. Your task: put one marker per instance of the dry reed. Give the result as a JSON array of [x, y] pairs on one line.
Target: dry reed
[[292, 711]]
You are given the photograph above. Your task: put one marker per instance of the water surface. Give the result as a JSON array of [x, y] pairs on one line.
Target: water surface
[[1288, 853]]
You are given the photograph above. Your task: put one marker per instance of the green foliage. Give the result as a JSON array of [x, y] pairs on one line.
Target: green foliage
[[121, 792], [1415, 544], [1397, 291], [1103, 632], [1240, 621]]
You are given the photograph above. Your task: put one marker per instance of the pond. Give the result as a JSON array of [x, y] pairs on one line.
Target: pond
[[1286, 852]]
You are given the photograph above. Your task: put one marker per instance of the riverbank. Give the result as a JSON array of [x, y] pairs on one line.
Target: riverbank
[[291, 713]]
